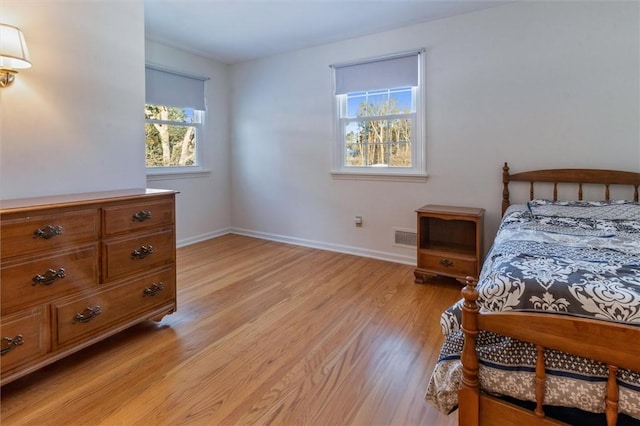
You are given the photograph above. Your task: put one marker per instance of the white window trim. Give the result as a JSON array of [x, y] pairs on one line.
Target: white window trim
[[175, 173], [416, 173]]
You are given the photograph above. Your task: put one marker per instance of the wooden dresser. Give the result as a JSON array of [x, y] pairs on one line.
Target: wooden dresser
[[75, 269]]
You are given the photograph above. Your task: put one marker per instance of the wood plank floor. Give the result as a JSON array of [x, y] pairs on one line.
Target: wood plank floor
[[265, 333]]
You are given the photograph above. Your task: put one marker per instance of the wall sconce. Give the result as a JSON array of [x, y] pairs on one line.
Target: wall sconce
[[13, 53]]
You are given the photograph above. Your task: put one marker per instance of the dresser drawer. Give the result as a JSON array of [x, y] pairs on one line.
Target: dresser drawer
[[24, 337], [31, 234], [134, 216], [82, 318], [134, 255], [30, 281], [448, 263]]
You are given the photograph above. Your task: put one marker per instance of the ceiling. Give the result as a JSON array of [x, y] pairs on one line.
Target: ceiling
[[234, 31]]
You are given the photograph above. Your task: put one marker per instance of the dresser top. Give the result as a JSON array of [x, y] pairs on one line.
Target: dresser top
[[10, 206]]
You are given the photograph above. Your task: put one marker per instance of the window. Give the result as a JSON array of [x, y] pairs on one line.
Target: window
[[174, 117], [172, 135], [378, 119]]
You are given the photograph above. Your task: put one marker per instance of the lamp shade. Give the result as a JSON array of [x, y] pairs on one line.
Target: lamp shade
[[13, 48]]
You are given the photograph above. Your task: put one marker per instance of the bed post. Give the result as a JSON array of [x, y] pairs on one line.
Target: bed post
[[505, 188], [611, 399], [469, 394]]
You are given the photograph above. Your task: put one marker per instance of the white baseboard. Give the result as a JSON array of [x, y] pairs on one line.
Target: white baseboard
[[203, 237], [357, 251]]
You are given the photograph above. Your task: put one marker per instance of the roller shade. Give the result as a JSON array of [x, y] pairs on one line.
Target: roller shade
[[384, 73], [172, 89]]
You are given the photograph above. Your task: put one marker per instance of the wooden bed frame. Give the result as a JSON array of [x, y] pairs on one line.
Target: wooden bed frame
[[616, 345]]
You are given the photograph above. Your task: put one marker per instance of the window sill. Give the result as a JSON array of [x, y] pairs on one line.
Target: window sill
[[392, 177], [153, 175]]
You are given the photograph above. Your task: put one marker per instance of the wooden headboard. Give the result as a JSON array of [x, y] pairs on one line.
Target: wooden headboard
[[577, 176]]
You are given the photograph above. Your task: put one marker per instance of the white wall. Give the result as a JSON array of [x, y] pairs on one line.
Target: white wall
[[203, 206], [537, 84], [553, 84], [73, 122]]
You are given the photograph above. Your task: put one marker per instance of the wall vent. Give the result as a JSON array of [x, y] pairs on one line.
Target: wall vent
[[404, 237]]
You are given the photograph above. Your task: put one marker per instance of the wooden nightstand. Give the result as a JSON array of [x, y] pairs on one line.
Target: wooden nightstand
[[449, 242]]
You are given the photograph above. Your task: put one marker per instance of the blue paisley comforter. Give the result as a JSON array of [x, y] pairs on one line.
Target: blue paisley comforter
[[574, 258]]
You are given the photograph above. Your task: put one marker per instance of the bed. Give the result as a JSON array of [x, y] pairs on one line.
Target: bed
[[551, 328]]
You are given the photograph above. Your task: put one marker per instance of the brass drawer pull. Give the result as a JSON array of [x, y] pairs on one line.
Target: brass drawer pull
[[9, 344], [49, 277], [153, 290], [142, 252], [446, 263], [141, 216], [47, 232], [87, 315]]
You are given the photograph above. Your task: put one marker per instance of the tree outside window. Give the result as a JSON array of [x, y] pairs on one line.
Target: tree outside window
[[380, 133], [171, 136]]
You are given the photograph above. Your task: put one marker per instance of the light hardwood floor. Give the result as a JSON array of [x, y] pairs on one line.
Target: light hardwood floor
[[265, 333]]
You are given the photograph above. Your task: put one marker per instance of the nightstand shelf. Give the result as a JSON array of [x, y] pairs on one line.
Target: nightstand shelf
[[450, 242]]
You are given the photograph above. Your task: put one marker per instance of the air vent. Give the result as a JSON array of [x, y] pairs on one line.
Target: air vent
[[404, 237]]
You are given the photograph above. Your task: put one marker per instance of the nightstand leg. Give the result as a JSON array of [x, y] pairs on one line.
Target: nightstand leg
[[421, 277]]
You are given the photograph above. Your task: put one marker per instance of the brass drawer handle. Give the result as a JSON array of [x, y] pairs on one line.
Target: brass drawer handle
[[49, 277], [10, 343], [153, 290], [141, 216], [142, 252], [87, 315], [47, 232], [446, 263]]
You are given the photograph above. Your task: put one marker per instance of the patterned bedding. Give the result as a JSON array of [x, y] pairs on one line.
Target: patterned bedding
[[573, 258]]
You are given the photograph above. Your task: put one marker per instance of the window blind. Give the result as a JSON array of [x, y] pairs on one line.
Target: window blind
[[172, 89], [384, 73]]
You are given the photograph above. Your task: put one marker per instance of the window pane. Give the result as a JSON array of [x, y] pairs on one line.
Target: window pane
[[170, 145], [378, 143], [376, 131], [354, 155], [378, 102], [179, 115], [355, 101], [377, 155], [354, 151], [190, 115], [400, 130], [401, 100], [400, 155]]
